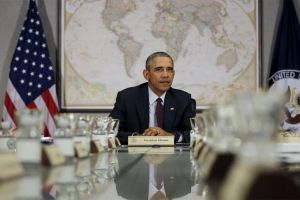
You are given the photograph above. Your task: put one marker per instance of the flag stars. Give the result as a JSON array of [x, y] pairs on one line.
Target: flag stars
[[30, 68]]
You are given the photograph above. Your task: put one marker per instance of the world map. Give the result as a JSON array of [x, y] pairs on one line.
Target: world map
[[106, 42]]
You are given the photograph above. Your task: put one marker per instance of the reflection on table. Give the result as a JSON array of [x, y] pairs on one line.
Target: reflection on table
[[125, 173]]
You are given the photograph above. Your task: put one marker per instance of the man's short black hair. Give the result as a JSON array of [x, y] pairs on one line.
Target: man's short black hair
[[157, 54]]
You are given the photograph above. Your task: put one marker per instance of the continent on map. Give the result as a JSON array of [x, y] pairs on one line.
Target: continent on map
[[175, 17], [112, 14], [229, 58], [131, 50]]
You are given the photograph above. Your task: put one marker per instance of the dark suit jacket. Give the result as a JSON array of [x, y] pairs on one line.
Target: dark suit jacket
[[132, 109]]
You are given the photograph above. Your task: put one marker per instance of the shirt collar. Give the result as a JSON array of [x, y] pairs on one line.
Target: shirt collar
[[153, 96]]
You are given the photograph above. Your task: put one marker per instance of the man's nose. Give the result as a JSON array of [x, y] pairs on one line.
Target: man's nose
[[165, 73]]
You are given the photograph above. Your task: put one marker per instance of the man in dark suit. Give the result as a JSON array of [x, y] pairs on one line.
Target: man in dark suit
[[154, 108]]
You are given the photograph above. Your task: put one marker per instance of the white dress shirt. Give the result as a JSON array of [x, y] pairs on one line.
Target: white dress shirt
[[152, 108], [153, 183]]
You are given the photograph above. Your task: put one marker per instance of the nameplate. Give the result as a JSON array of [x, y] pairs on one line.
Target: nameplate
[[52, 155], [9, 166], [151, 140], [80, 150], [96, 146]]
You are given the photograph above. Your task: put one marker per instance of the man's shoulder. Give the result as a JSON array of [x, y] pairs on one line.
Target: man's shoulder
[[180, 93], [133, 90]]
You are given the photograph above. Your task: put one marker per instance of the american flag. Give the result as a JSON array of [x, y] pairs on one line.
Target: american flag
[[31, 80]]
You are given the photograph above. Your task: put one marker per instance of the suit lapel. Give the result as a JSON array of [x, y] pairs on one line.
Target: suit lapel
[[169, 111], [142, 103]]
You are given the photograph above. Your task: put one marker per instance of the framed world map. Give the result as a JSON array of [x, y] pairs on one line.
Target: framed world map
[[104, 45]]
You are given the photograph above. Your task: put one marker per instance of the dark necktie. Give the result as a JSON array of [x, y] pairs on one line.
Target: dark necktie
[[159, 112]]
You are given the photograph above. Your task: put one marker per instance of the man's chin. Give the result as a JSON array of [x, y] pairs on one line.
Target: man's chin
[[164, 89]]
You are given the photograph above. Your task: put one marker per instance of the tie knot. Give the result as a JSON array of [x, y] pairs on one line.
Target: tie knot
[[158, 100]]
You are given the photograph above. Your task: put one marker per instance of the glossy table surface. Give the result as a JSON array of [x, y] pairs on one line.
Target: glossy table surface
[[125, 173]]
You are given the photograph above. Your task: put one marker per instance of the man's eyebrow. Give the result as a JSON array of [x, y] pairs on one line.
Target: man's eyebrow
[[163, 67]]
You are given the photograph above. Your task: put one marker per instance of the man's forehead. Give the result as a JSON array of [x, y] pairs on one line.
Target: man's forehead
[[162, 58], [162, 61]]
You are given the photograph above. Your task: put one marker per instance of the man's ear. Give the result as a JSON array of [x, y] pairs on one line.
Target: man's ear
[[146, 74]]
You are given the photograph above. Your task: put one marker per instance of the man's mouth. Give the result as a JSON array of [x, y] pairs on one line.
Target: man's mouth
[[164, 82]]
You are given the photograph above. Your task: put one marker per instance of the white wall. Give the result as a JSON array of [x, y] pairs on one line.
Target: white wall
[[12, 14]]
